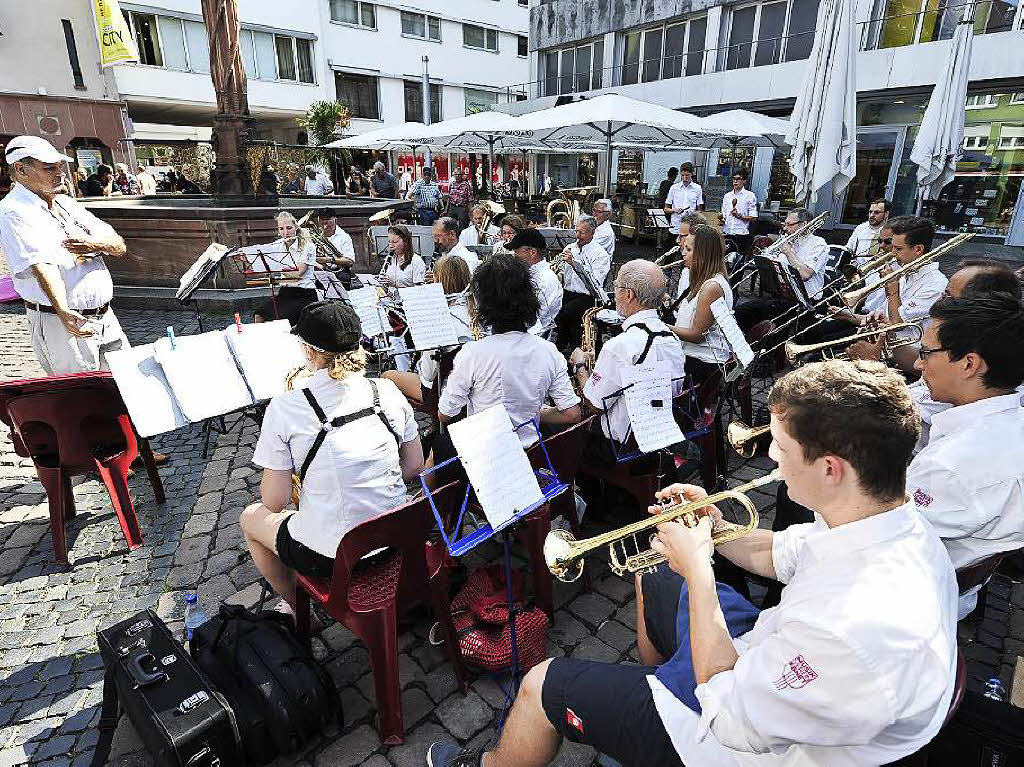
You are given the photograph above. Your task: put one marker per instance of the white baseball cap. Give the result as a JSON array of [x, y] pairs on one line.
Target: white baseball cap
[[33, 146]]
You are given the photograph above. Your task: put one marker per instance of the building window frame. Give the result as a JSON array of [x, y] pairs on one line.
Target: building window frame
[[374, 79], [429, 22], [982, 101], [73, 60], [756, 42], [595, 73], [361, 6], [130, 17], [522, 46], [488, 32], [644, 66], [436, 97]]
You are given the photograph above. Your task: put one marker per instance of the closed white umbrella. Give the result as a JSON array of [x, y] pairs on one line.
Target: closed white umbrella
[[939, 143], [823, 127]]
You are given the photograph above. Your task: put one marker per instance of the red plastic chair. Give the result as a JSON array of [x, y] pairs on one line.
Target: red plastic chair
[[565, 449], [73, 431], [369, 599]]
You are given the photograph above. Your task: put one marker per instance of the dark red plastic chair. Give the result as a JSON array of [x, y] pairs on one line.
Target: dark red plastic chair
[[759, 332], [367, 598], [72, 431], [565, 450]]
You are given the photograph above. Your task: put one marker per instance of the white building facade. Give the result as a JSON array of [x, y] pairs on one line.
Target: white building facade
[[706, 56]]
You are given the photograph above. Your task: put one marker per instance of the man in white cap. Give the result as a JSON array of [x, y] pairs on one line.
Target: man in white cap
[[317, 183], [55, 249]]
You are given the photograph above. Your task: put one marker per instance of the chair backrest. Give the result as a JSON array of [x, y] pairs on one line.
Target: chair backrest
[[405, 528], [761, 330], [565, 449], [82, 421], [836, 255], [978, 573], [10, 389]]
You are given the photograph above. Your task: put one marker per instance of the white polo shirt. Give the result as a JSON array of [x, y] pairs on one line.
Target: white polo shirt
[[863, 239], [549, 293], [515, 368], [746, 205], [466, 255], [31, 233], [356, 474], [343, 242], [625, 349], [812, 252], [919, 290], [414, 273], [305, 256], [686, 196], [471, 235], [604, 236], [594, 259], [855, 666], [968, 481]]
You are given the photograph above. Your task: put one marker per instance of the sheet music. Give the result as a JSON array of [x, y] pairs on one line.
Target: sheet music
[[332, 287], [266, 353], [496, 464], [212, 255], [365, 302], [648, 395], [145, 390], [203, 375], [426, 312], [733, 335]]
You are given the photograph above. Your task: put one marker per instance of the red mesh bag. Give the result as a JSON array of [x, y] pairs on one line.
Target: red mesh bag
[[480, 615]]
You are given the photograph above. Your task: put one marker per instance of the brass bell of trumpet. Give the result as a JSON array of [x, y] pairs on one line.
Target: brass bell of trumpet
[[563, 554], [743, 438], [795, 350]]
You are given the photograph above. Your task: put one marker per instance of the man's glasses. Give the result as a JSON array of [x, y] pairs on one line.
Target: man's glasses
[[924, 351], [886, 240]]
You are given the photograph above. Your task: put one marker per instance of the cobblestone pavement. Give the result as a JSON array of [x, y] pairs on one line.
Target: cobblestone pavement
[[50, 671]]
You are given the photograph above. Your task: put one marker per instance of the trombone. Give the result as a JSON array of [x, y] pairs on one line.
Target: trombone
[[743, 438], [771, 251], [794, 350], [563, 554]]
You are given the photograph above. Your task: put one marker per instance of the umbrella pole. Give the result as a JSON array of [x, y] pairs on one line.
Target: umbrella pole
[[608, 150], [490, 165]]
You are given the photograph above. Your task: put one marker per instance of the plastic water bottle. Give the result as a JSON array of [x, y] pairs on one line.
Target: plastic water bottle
[[994, 689], [195, 616]]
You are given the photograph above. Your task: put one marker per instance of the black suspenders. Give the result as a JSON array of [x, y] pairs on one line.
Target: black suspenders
[[326, 425], [651, 335]]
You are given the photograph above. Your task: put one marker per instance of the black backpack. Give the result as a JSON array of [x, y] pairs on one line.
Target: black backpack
[[281, 696]]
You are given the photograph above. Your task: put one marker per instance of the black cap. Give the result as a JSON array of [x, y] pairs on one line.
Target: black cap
[[528, 238], [330, 326], [326, 213]]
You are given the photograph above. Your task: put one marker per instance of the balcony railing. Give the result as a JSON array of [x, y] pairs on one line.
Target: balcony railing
[[936, 24]]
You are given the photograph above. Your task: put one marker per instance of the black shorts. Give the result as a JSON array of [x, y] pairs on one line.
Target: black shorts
[[301, 558], [610, 707]]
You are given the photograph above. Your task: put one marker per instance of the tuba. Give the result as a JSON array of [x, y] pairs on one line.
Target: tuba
[[588, 344], [491, 211], [558, 214], [563, 554]]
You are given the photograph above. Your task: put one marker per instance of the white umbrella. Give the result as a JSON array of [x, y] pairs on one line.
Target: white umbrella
[[753, 128], [380, 138], [939, 143], [611, 120], [823, 127]]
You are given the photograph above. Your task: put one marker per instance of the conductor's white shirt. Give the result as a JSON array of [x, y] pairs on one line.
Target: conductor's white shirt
[[356, 474], [856, 664], [466, 255], [31, 233], [471, 235], [593, 259], [604, 236], [746, 205], [549, 293], [515, 368], [604, 386], [968, 481]]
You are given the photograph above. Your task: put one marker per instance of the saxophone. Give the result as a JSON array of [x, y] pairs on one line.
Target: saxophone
[[289, 385], [587, 345]]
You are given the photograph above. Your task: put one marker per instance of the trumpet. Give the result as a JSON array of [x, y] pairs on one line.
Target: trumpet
[[563, 554], [743, 438], [852, 298], [794, 350]]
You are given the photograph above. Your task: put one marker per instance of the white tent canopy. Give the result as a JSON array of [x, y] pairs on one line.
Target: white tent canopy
[[939, 143], [823, 127], [754, 128], [382, 138]]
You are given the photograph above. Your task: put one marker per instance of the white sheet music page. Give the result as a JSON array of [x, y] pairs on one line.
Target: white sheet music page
[[203, 375], [331, 285], [211, 255], [733, 335], [145, 390], [496, 464], [366, 304], [649, 404], [426, 312], [266, 353]]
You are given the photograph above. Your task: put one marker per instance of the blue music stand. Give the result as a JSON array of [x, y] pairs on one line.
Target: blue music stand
[[618, 449], [551, 487]]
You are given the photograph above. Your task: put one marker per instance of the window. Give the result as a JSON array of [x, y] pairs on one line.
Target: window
[[675, 44], [1011, 137], [354, 12], [479, 37], [652, 54], [266, 58], [172, 35], [285, 57], [294, 59], [304, 52], [698, 29], [741, 38], [421, 25], [1017, 98], [359, 94], [982, 101], [769, 34], [803, 17], [904, 22], [522, 46], [550, 74], [147, 39], [664, 52], [479, 101], [198, 46], [414, 102], [573, 70], [631, 59], [69, 40], [524, 3]]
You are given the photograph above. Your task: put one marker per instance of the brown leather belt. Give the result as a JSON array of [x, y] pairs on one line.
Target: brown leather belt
[[99, 311]]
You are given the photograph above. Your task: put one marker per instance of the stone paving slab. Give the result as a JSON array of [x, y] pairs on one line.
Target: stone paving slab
[[50, 670]]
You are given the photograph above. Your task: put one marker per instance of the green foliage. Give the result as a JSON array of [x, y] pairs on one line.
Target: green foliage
[[323, 121]]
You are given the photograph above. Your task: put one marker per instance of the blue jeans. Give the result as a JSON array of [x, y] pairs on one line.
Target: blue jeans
[[427, 216]]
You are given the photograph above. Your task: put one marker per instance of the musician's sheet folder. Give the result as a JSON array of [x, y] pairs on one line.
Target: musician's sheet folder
[[266, 353], [733, 335], [648, 393], [203, 375], [426, 312], [496, 464], [364, 301], [145, 390]]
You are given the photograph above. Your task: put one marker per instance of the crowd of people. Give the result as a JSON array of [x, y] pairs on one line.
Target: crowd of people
[[887, 488]]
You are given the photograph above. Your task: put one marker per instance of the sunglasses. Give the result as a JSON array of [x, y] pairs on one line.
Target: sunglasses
[[886, 240]]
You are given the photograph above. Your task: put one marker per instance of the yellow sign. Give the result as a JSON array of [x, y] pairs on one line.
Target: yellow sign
[[116, 43]]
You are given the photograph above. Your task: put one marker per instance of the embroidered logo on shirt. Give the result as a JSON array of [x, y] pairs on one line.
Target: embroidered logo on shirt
[[921, 498], [595, 376], [796, 674], [574, 721]]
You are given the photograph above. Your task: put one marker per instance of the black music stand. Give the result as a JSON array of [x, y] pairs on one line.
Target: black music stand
[[782, 280]]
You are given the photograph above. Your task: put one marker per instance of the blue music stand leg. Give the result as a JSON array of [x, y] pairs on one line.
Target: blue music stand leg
[[514, 670]]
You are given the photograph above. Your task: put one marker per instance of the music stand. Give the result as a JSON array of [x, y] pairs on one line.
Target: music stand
[[620, 450], [782, 280], [550, 486], [186, 292], [260, 266]]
